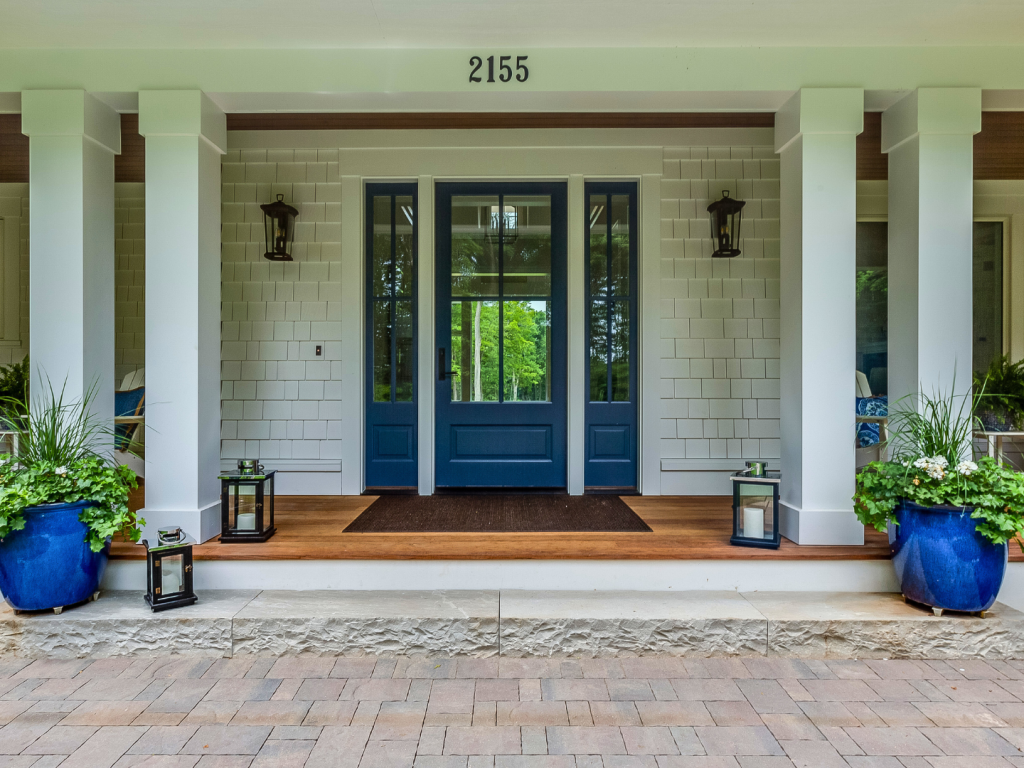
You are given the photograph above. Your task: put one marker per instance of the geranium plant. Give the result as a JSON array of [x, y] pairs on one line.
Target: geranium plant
[[63, 456], [930, 442]]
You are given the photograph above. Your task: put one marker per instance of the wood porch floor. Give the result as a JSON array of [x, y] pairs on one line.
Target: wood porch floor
[[683, 528]]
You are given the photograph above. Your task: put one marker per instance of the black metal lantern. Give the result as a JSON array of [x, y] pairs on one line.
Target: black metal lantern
[[279, 223], [247, 504], [169, 570], [503, 224], [755, 507], [726, 217]]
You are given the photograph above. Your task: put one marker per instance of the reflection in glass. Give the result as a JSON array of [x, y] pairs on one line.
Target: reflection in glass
[[172, 574], [475, 351], [598, 245], [527, 355], [599, 351], [404, 245], [382, 351], [403, 351], [988, 293], [620, 245], [619, 349], [527, 249], [474, 254], [382, 245], [757, 508]]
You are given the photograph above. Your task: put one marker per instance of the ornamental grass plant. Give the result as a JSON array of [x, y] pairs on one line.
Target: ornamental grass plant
[[64, 455], [931, 464]]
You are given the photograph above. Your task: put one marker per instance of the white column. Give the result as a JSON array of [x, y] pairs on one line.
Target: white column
[[650, 323], [929, 137], [353, 257], [815, 134], [577, 352], [185, 136], [73, 138], [427, 364]]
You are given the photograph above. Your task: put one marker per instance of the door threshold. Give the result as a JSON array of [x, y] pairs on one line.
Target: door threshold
[[391, 490]]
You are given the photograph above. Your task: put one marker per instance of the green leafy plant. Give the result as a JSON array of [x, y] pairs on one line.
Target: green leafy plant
[[1001, 389], [930, 440], [872, 281], [14, 385], [63, 456]]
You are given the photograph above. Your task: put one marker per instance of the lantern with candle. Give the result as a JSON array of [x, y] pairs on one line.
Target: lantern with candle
[[169, 570], [247, 504], [755, 507]]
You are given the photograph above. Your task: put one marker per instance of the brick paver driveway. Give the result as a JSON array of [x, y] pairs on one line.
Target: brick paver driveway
[[511, 713]]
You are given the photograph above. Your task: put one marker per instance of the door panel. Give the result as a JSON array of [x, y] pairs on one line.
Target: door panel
[[611, 326], [501, 330], [391, 335]]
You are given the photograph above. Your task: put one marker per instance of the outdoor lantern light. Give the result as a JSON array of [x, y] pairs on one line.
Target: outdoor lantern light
[[726, 216], [503, 224], [247, 504], [169, 570], [755, 507], [279, 223]]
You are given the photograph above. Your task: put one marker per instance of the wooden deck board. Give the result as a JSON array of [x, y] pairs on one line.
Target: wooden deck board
[[684, 528]]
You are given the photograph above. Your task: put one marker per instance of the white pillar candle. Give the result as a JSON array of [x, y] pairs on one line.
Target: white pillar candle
[[246, 521], [753, 523]]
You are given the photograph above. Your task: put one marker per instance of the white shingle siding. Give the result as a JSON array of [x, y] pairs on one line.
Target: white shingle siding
[[719, 326], [278, 401]]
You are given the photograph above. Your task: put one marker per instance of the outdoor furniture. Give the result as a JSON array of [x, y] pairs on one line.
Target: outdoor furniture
[[129, 411], [995, 441]]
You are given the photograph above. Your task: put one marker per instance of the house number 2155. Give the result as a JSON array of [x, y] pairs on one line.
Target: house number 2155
[[503, 69]]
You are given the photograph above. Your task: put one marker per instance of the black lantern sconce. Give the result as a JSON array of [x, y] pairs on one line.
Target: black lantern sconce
[[169, 570], [279, 223], [503, 224], [755, 507], [247, 504], [726, 217]]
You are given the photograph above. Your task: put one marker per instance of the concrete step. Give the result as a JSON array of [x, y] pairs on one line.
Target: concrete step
[[513, 623]]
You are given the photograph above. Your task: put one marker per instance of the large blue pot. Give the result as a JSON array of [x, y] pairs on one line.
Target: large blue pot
[[48, 564], [942, 561]]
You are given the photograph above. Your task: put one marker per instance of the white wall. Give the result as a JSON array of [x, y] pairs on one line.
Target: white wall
[[720, 319]]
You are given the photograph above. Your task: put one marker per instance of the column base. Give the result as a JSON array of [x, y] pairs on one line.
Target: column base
[[201, 524], [820, 527]]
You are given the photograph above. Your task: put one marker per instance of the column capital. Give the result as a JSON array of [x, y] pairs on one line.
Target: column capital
[[183, 113], [70, 113], [819, 110], [935, 111]]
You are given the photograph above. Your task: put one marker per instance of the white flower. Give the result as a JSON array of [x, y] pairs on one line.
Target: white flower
[[62, 471], [966, 468], [939, 461], [921, 463], [935, 472]]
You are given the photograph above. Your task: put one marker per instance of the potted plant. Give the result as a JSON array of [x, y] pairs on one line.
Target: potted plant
[[949, 518], [61, 501], [1000, 404]]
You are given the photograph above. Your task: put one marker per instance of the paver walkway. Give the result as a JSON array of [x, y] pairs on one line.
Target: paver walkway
[[510, 713]]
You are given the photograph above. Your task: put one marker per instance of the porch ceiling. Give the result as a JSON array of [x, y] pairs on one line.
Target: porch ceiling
[[475, 23]]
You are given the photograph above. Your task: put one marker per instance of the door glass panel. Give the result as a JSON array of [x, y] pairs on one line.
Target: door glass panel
[[403, 351], [475, 225], [599, 351], [620, 245], [474, 351], [598, 245], [527, 341], [404, 246], [382, 245], [527, 245], [988, 293], [620, 349], [382, 351]]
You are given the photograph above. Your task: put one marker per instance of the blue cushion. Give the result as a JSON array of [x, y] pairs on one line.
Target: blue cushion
[[868, 434], [130, 402]]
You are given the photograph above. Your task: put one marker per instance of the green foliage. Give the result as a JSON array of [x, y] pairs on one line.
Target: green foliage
[[930, 438], [14, 383], [872, 281], [63, 457], [1001, 388]]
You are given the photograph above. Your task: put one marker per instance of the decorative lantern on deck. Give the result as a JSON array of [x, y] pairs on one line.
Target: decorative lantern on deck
[[247, 504], [726, 216], [169, 570], [279, 223], [755, 507]]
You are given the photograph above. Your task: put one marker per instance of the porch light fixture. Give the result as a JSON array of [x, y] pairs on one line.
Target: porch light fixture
[[503, 224], [169, 570], [279, 223], [755, 507], [247, 504], [726, 216]]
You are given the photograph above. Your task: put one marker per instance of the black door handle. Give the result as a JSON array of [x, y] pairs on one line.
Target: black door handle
[[441, 372]]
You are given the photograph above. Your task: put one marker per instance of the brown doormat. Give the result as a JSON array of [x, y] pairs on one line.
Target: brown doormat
[[498, 513]]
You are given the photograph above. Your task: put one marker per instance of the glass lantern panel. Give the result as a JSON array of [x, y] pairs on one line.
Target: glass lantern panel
[[172, 574], [268, 502], [242, 501], [755, 513]]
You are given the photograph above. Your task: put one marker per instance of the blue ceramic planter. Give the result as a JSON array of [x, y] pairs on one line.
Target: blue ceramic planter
[[942, 561], [48, 563]]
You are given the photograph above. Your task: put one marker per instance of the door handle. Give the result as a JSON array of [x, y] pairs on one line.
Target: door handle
[[441, 372]]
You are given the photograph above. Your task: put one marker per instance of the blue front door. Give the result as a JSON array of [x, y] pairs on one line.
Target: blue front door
[[501, 335]]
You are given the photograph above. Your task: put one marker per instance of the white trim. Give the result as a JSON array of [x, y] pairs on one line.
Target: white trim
[[576, 332], [352, 322], [426, 370], [649, 363]]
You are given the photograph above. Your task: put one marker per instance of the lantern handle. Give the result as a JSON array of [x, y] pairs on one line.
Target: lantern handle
[[725, 193], [280, 198]]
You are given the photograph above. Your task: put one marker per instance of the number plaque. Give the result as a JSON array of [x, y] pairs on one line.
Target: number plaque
[[498, 69]]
